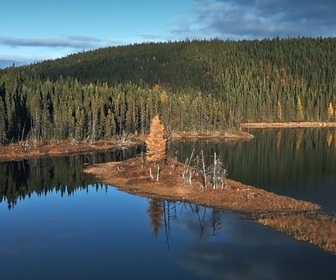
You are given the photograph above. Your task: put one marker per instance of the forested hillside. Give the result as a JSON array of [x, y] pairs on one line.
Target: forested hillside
[[203, 86]]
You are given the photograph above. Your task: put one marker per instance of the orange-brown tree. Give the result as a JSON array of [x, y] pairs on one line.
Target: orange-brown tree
[[330, 112], [156, 142]]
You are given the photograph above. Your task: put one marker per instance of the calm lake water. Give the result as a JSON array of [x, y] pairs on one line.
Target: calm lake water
[[58, 223]]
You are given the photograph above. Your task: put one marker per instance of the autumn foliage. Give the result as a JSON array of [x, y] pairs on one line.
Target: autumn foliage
[[156, 142]]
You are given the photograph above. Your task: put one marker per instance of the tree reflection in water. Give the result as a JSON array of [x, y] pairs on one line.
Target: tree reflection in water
[[64, 175], [300, 163], [161, 213]]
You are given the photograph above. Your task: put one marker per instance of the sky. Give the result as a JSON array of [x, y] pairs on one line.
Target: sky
[[35, 30]]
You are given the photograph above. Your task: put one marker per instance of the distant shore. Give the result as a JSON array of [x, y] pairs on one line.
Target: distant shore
[[22, 150], [287, 124]]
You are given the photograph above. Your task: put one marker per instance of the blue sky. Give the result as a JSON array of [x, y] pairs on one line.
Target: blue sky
[[34, 30]]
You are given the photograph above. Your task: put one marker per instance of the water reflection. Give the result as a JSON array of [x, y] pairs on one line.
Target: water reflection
[[155, 213], [296, 162], [279, 152], [109, 234], [161, 213], [219, 245], [20, 179]]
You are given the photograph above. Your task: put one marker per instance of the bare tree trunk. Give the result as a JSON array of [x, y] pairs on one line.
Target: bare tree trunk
[[214, 173], [158, 173], [142, 159], [150, 173], [204, 172]]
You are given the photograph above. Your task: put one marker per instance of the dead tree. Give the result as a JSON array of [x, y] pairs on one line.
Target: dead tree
[[217, 174], [188, 172]]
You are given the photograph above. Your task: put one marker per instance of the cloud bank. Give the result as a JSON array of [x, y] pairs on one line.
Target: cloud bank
[[38, 49], [75, 42], [257, 19]]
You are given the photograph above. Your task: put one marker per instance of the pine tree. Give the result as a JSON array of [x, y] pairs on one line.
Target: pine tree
[[156, 142]]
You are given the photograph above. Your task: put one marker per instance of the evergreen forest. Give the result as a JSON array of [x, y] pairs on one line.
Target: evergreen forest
[[194, 86]]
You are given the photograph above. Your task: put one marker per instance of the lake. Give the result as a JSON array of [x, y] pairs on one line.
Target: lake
[[59, 223]]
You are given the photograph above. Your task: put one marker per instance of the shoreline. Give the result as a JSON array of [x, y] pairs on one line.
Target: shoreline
[[287, 124], [15, 152], [23, 150], [130, 176]]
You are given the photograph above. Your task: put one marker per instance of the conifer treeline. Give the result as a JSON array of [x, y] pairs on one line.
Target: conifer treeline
[[65, 109], [207, 86]]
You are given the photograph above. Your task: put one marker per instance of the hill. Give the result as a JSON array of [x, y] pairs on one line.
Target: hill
[[199, 86], [198, 64]]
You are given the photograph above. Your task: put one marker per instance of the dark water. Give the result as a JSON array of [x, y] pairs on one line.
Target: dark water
[[300, 162], [58, 223]]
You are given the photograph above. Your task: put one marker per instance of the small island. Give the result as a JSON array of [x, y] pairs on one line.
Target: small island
[[154, 175]]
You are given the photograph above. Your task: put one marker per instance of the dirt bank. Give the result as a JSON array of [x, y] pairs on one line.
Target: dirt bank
[[288, 124], [26, 149], [21, 151], [225, 135], [129, 176]]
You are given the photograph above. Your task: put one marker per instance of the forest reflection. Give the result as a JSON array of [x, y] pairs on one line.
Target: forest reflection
[[64, 175], [274, 156]]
